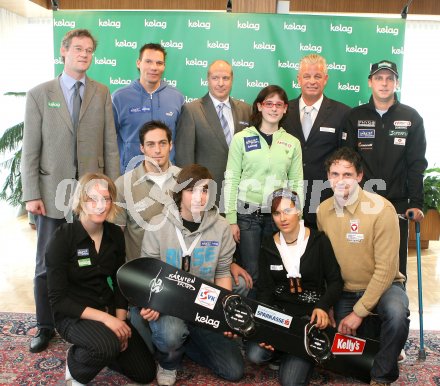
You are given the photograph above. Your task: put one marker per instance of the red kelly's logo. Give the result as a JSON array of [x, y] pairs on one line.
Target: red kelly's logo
[[347, 345]]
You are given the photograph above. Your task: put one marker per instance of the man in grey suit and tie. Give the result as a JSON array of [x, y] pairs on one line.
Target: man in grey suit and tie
[[317, 122], [206, 125], [68, 131]]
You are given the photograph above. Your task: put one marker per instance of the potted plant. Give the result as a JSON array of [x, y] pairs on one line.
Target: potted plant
[[430, 226]]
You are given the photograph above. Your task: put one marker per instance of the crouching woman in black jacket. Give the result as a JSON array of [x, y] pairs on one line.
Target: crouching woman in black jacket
[[299, 274], [90, 312]]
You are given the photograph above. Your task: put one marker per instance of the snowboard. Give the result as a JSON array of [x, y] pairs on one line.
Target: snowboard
[[151, 283]]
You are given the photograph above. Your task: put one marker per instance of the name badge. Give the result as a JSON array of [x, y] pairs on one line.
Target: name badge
[[252, 143], [355, 237], [328, 129], [276, 267], [54, 104], [82, 252], [84, 262]]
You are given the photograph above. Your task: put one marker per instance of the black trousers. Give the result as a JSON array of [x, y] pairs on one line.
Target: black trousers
[[403, 249], [95, 346]]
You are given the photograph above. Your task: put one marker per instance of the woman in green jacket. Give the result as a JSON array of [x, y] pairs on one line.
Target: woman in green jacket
[[262, 158]]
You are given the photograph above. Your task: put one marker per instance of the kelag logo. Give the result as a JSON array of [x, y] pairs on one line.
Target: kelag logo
[[199, 24], [356, 50], [125, 43], [264, 46], [288, 64], [104, 60], [335, 66], [171, 44], [242, 63], [155, 24], [348, 87], [247, 25], [310, 47], [217, 44], [294, 27], [196, 62], [387, 30], [109, 23], [64, 23], [341, 28]]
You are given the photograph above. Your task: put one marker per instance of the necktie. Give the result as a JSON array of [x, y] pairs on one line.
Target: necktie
[[75, 118], [76, 104], [307, 121], [224, 123]]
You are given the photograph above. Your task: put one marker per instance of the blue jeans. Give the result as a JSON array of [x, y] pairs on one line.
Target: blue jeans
[[252, 229], [141, 326], [390, 325], [293, 370], [173, 337]]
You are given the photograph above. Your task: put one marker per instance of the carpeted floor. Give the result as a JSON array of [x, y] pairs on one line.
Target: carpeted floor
[[19, 367]]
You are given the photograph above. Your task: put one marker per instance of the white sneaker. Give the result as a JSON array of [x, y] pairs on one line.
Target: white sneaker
[[401, 357], [70, 380], [165, 377]]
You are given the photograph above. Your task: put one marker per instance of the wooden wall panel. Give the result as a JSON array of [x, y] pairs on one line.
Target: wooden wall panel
[[424, 7]]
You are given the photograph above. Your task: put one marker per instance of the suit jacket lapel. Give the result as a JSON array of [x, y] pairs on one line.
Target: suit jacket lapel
[[296, 117], [89, 92], [210, 113], [322, 114], [56, 94]]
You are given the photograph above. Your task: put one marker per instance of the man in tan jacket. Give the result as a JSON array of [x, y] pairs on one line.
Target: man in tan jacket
[[364, 231]]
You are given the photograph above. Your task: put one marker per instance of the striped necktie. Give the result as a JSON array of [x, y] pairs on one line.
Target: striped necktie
[[224, 123]]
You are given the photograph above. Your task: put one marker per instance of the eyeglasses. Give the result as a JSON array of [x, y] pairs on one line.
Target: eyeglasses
[[80, 50], [269, 104], [286, 212]]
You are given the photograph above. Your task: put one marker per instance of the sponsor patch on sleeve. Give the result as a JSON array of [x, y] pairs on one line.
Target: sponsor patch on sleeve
[[273, 316], [347, 345]]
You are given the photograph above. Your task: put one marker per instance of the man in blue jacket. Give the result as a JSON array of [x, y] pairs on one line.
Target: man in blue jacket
[[145, 99]]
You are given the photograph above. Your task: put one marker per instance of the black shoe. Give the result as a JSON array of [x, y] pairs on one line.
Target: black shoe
[[41, 340]]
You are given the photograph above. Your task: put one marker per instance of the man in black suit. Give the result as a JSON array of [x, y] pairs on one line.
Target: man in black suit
[[317, 122]]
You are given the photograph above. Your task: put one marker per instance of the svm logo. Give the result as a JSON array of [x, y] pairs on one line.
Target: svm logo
[[155, 24], [196, 62], [242, 63], [347, 345], [125, 43], [64, 23], [217, 44], [348, 87], [111, 62], [256, 83], [265, 46], [288, 64], [387, 30], [119, 80], [247, 25], [171, 44], [199, 24], [207, 296], [341, 28], [310, 47], [397, 51], [294, 27], [356, 50], [109, 23]]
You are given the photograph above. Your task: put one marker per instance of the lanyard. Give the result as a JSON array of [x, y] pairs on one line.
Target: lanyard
[[186, 252]]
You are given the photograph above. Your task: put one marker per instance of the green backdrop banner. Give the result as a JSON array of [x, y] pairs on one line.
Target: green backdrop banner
[[262, 48]]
